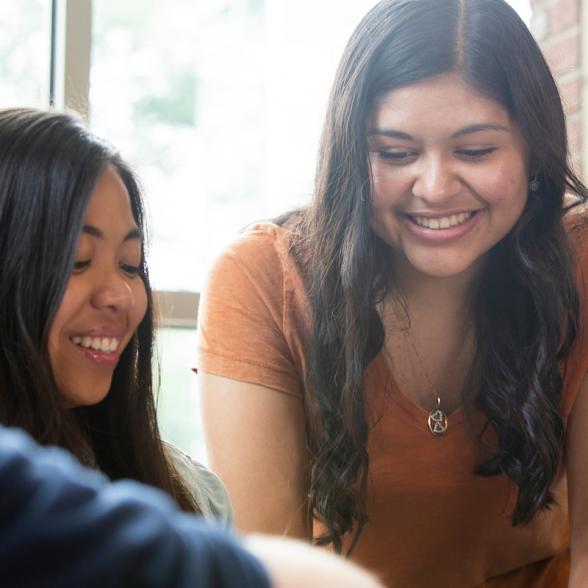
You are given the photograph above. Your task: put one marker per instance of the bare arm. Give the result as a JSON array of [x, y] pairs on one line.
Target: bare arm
[[577, 456], [255, 442], [291, 564]]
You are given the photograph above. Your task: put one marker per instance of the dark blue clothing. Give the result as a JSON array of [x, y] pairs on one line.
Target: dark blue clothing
[[61, 525]]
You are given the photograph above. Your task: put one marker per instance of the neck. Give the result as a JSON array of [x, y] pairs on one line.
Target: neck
[[83, 448], [440, 297]]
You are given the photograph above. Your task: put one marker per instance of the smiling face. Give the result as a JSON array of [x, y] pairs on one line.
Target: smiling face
[[105, 299], [449, 172]]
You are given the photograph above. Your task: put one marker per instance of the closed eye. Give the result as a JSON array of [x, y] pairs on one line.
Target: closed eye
[[475, 153], [80, 265], [396, 156], [131, 270]]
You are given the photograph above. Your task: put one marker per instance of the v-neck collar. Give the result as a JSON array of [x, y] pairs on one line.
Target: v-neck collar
[[411, 409]]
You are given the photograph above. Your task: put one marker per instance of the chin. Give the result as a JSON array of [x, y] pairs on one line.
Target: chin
[[444, 272], [445, 269], [90, 397]]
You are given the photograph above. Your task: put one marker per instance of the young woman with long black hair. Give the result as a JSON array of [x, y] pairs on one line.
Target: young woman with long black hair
[[77, 315], [400, 368]]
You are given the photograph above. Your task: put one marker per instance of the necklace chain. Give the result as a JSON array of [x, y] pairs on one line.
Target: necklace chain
[[437, 419]]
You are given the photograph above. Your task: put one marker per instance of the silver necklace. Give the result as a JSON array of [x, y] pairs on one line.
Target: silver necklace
[[437, 418]]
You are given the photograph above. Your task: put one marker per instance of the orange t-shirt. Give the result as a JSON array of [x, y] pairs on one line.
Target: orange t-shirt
[[432, 521]]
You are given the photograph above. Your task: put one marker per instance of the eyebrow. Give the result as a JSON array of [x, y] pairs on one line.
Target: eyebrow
[[96, 232], [390, 133], [480, 127], [470, 129]]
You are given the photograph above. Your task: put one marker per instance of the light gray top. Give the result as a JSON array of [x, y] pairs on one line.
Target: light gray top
[[207, 490]]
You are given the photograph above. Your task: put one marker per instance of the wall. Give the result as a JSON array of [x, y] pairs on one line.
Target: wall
[[557, 25]]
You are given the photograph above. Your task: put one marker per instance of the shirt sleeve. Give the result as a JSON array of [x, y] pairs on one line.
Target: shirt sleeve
[[205, 486], [242, 328], [576, 364], [62, 525]]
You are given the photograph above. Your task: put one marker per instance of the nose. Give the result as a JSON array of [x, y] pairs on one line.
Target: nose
[[113, 292], [436, 180]]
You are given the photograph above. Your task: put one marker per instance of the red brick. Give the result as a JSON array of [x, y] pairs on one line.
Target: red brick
[[564, 14], [571, 94], [562, 56]]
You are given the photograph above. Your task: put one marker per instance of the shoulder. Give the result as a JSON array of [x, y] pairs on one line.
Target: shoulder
[[576, 225], [256, 258], [255, 275], [576, 363], [253, 312], [260, 241], [206, 488]]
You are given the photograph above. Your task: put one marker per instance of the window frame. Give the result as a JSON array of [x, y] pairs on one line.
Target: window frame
[[70, 64]]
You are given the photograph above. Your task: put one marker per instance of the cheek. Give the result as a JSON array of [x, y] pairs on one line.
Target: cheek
[[68, 307], [59, 358], [387, 189], [140, 307], [507, 185]]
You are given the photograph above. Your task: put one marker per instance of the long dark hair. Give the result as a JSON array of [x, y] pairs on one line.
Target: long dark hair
[[526, 309], [49, 164]]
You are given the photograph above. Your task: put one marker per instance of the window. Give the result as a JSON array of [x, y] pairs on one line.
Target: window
[[25, 43], [218, 105]]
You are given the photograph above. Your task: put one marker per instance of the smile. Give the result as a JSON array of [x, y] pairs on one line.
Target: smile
[[443, 222], [103, 344]]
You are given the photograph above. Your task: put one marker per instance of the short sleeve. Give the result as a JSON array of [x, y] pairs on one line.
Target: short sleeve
[[576, 365], [206, 488], [241, 323]]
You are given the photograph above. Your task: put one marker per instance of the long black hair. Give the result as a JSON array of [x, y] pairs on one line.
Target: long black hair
[[526, 309], [49, 165]]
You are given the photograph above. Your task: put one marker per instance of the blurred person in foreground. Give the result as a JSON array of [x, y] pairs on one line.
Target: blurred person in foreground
[[64, 526]]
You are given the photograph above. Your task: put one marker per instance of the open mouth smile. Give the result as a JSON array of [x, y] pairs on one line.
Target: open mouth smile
[[442, 222], [443, 227], [102, 344]]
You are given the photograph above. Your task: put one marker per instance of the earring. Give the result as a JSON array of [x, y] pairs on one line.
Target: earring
[[534, 185]]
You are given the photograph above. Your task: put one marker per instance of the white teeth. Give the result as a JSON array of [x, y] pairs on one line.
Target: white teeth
[[104, 344], [445, 222]]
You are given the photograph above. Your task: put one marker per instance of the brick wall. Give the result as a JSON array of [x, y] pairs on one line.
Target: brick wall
[[556, 25]]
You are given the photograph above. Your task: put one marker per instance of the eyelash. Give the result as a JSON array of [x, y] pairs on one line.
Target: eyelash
[[396, 155], [131, 270], [476, 153], [78, 266], [401, 156]]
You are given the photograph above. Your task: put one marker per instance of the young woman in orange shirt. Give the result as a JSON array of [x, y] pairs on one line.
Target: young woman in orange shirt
[[400, 369]]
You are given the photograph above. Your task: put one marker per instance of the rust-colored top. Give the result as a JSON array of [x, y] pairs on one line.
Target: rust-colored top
[[432, 521]]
